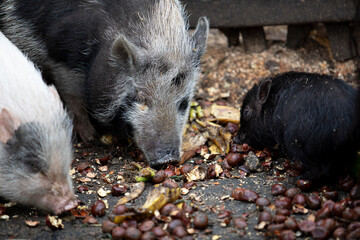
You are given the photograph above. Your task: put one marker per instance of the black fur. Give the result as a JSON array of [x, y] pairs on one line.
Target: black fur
[[72, 32], [118, 124], [61, 25], [309, 115]]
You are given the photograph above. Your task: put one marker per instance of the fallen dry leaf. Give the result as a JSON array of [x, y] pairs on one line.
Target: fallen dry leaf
[[4, 217], [194, 196], [90, 220], [160, 196], [204, 150], [209, 156], [104, 168], [221, 138], [225, 197], [208, 123], [31, 223], [215, 237], [226, 136], [108, 178], [197, 173], [79, 213], [311, 217], [54, 222], [297, 208], [85, 179], [191, 142], [187, 155], [261, 225], [155, 200], [91, 175], [135, 190], [225, 114], [218, 169], [72, 171], [184, 191], [102, 192], [214, 149], [10, 204]]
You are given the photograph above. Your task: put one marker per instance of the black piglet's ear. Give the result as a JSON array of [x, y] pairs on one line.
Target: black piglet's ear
[[263, 90]]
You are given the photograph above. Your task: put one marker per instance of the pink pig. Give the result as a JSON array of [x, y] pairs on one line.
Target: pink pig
[[35, 136]]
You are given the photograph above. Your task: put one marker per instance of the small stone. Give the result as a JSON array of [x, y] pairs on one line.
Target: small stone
[[253, 162]]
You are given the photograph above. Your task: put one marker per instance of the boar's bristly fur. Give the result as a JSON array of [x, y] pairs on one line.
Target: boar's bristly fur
[[310, 116], [35, 136], [133, 65]]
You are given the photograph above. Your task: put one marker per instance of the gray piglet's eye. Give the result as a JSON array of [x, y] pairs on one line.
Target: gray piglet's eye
[[183, 105], [34, 165], [178, 79]]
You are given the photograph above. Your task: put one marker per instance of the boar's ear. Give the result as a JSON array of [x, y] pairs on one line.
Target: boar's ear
[[263, 90], [123, 50], [8, 125], [200, 36]]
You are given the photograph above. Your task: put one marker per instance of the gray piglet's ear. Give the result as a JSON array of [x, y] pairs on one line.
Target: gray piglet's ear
[[200, 36], [123, 50], [263, 90], [8, 125]]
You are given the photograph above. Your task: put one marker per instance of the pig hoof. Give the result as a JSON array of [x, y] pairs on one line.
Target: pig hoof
[[158, 164], [85, 133]]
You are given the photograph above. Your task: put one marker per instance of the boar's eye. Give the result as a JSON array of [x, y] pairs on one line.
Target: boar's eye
[[183, 105], [142, 107], [247, 112], [177, 80], [140, 98]]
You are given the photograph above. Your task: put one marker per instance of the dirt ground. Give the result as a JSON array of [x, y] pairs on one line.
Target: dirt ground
[[227, 74]]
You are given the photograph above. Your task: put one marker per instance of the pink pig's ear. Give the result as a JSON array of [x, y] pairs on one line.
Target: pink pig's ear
[[8, 125]]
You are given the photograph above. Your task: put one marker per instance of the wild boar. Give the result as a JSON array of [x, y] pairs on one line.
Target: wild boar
[[128, 68], [35, 136], [310, 116]]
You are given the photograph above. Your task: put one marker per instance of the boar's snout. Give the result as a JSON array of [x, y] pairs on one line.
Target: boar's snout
[[240, 138], [163, 157]]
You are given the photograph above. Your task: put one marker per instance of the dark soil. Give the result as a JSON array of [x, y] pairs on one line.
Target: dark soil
[[227, 74]]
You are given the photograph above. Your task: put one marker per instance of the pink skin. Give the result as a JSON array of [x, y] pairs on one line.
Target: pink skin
[[59, 196], [59, 204], [64, 205], [59, 200]]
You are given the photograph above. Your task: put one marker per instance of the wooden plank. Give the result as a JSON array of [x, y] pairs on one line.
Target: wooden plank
[[341, 41], [250, 13], [254, 39], [233, 36], [297, 35]]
